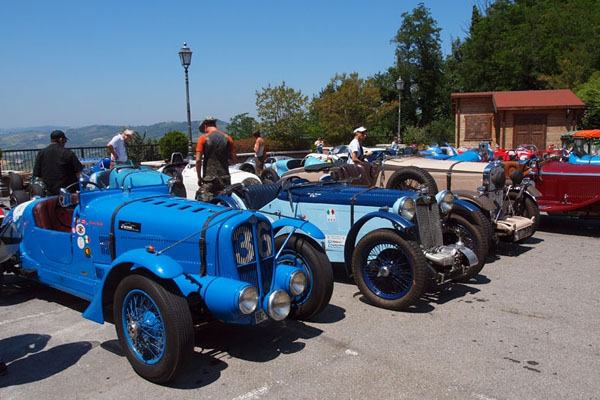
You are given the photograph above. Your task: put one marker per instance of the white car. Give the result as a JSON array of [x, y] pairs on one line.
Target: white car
[[190, 177]]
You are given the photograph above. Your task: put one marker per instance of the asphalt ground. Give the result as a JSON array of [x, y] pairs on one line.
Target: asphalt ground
[[528, 328]]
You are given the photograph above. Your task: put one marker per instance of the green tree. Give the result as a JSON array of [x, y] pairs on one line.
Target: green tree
[[419, 62], [241, 126], [347, 102], [173, 142], [589, 93], [529, 45], [282, 111], [140, 148]]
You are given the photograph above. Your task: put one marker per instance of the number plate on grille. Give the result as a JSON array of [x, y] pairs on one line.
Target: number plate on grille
[[523, 233], [260, 316]]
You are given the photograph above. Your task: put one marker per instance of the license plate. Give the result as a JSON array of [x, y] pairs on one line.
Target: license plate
[[260, 316], [523, 233]]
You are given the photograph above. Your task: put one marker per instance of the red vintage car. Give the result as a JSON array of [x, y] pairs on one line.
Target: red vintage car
[[568, 189]]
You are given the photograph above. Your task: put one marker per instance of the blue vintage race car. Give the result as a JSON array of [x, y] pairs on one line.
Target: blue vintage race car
[[391, 241], [164, 263]]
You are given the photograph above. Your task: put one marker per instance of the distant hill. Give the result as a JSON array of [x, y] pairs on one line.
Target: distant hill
[[94, 135]]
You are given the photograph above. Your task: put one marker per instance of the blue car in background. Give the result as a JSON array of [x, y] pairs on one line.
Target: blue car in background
[[163, 264], [391, 241]]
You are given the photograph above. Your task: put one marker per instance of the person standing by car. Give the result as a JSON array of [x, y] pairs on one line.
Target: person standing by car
[[116, 146], [56, 166], [319, 145], [259, 152], [213, 151], [394, 146], [356, 154]]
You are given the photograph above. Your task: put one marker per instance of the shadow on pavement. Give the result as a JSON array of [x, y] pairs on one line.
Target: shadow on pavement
[[42, 364], [570, 226]]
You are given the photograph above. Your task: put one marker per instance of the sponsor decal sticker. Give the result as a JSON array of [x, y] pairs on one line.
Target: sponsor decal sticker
[[130, 226], [331, 215], [335, 241], [80, 242], [80, 229], [88, 252]]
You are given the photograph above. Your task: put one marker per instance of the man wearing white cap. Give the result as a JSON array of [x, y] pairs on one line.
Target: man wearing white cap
[[116, 146], [356, 154]]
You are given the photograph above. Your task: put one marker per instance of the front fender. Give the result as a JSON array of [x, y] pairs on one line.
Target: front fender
[[162, 266], [532, 190], [470, 197], [305, 226], [395, 219]]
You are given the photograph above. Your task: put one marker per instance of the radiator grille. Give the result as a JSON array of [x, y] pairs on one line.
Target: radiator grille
[[428, 221], [252, 242]]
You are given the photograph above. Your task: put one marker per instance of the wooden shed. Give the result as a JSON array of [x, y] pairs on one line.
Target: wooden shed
[[508, 119]]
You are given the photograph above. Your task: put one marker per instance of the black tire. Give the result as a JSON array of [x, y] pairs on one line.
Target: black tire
[[171, 318], [411, 178], [527, 208], [478, 218], [402, 263], [15, 182], [17, 197], [247, 167], [302, 252], [473, 238], [269, 176], [37, 190]]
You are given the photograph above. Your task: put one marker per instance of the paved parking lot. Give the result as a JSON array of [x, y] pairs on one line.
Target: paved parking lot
[[529, 328]]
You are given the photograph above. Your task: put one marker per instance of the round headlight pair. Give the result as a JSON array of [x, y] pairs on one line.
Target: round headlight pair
[[406, 207], [445, 200]]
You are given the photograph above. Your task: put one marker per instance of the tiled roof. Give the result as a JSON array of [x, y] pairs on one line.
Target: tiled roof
[[563, 98]]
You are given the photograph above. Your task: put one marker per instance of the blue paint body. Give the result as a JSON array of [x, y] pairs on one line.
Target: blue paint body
[[136, 225]]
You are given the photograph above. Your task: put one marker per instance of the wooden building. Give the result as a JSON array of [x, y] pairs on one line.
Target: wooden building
[[508, 119]]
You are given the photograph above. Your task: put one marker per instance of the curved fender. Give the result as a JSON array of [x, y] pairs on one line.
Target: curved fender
[[225, 199], [305, 226], [162, 266], [481, 200], [404, 224], [533, 192]]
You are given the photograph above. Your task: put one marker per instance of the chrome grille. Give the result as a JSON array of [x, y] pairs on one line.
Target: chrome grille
[[265, 239], [252, 242], [428, 221], [243, 244]]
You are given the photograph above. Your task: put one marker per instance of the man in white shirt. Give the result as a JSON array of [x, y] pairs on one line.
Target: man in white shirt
[[356, 154], [116, 146]]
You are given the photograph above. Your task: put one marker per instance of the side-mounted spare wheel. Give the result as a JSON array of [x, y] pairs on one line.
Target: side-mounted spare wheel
[[154, 326], [304, 253], [411, 178]]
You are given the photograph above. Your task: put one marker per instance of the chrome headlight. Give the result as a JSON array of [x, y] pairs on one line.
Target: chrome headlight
[[297, 283], [279, 305], [248, 300], [405, 207], [445, 200]]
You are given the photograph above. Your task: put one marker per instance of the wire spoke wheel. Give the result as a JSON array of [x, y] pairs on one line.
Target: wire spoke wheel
[[145, 326], [389, 270]]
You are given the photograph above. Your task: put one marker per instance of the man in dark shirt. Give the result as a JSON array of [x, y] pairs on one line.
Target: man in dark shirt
[[56, 166], [213, 152]]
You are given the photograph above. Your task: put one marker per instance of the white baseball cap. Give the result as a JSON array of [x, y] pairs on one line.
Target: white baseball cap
[[360, 129]]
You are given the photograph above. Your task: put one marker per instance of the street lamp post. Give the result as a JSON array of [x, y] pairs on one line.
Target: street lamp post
[[185, 55], [399, 86]]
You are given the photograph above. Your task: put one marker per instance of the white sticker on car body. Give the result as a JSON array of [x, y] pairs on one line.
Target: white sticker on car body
[[335, 241]]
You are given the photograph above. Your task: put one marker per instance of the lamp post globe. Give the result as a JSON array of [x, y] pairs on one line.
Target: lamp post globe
[[399, 86], [185, 56]]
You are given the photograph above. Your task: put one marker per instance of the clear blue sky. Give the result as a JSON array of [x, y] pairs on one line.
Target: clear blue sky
[[78, 63]]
